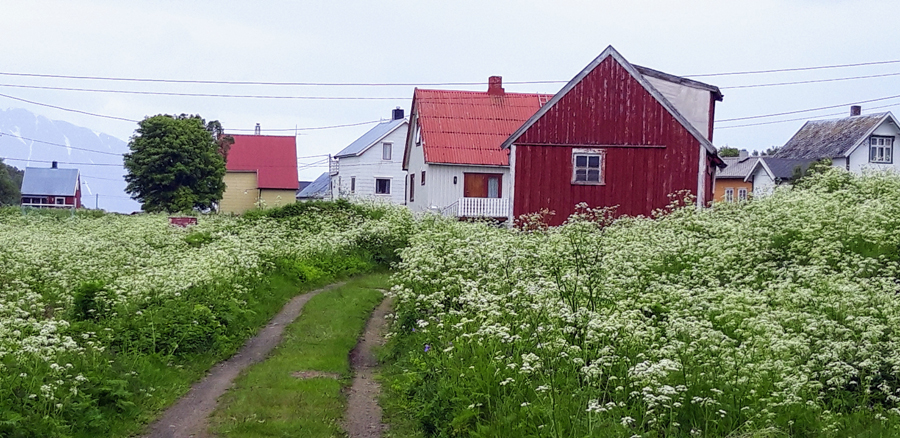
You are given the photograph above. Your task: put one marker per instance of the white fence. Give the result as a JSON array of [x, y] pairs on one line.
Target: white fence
[[482, 207]]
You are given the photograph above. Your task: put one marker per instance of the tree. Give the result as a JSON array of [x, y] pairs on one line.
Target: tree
[[175, 164], [726, 151], [10, 184]]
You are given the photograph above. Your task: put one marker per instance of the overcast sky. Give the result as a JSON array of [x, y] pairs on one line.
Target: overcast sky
[[426, 41]]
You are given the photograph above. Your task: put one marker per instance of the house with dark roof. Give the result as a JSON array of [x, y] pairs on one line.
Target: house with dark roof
[[855, 143], [319, 189], [731, 182], [51, 187], [372, 165], [770, 172], [453, 158], [261, 170], [616, 135]]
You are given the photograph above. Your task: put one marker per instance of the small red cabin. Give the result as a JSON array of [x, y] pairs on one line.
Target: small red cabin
[[615, 135]]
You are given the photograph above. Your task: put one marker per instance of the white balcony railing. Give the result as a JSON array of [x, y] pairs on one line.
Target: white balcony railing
[[482, 207], [333, 166]]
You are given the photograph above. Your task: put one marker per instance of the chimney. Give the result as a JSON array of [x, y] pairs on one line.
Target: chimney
[[495, 86], [258, 130], [855, 110], [53, 166], [743, 154], [397, 113]]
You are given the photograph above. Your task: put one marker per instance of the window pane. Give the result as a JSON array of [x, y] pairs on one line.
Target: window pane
[[580, 160], [386, 151], [493, 188], [887, 154], [581, 175], [594, 161], [593, 175]]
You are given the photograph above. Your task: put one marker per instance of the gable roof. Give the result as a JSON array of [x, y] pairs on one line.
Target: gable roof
[[468, 127], [273, 158], [737, 167], [610, 52], [833, 138], [371, 137], [49, 181], [316, 189], [779, 168]]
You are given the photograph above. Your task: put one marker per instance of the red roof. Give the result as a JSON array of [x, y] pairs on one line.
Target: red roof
[[273, 158], [468, 127]]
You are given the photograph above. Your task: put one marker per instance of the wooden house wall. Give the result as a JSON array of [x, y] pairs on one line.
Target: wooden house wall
[[649, 154]]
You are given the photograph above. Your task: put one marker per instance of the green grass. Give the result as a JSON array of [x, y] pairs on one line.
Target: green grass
[[268, 401]]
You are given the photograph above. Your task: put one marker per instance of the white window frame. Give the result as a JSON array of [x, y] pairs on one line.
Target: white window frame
[[388, 192], [742, 194], [60, 200], [881, 149], [588, 167], [729, 194], [387, 151], [352, 184]]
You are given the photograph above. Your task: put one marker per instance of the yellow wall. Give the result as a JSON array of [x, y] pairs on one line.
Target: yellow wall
[[735, 183], [277, 198], [240, 194]]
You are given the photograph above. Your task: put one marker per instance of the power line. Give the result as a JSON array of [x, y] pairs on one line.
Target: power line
[[62, 162], [166, 93], [802, 118], [810, 110], [61, 145], [780, 70], [67, 109], [812, 81]]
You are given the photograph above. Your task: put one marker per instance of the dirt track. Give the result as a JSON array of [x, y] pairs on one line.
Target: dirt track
[[189, 417], [363, 416]]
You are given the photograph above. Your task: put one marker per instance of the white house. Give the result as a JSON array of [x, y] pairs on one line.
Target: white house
[[453, 161], [769, 172], [371, 166]]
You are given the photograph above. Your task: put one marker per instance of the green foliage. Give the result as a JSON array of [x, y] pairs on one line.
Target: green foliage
[[800, 176], [174, 165], [10, 184], [197, 239], [726, 151], [772, 318]]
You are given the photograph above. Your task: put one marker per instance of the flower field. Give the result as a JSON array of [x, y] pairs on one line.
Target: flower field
[[105, 319], [778, 317]]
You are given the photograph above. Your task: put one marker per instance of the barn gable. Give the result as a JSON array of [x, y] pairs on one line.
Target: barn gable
[[569, 105]]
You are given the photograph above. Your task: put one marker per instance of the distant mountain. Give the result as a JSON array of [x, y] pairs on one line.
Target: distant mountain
[[30, 140]]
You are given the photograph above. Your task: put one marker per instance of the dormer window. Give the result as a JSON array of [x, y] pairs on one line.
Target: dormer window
[[881, 149]]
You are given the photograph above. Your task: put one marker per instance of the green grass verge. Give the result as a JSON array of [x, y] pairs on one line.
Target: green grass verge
[[267, 400]]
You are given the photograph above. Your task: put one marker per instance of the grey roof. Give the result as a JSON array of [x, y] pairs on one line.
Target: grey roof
[[781, 168], [49, 181], [316, 189], [737, 167], [363, 143], [819, 139], [644, 71]]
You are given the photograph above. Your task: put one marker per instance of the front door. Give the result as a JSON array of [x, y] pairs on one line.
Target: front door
[[482, 185]]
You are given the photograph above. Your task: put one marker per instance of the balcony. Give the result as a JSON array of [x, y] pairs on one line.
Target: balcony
[[478, 207], [333, 166]]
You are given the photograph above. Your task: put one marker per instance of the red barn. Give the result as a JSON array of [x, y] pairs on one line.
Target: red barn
[[615, 135]]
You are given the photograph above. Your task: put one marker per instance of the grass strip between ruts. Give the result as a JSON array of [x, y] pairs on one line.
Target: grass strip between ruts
[[268, 400]]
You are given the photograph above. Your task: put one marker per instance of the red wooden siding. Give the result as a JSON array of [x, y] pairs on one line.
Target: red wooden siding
[[609, 109]]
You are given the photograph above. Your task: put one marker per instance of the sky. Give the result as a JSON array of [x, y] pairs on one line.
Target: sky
[[430, 42]]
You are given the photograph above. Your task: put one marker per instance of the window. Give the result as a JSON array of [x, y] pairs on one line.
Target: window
[[881, 149], [382, 186], [423, 177], [482, 185], [742, 194], [418, 135], [352, 184], [386, 151], [60, 201], [587, 166], [729, 195], [412, 187]]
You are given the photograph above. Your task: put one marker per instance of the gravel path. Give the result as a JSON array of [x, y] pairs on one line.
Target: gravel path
[[363, 418], [189, 417]]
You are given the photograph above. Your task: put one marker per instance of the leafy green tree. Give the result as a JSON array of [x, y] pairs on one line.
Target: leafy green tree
[[175, 164], [726, 151], [802, 178], [10, 184]]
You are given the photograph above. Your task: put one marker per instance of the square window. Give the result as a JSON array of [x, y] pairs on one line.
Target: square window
[[386, 149], [587, 166], [382, 186]]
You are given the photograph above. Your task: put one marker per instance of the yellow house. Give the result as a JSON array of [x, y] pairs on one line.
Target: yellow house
[[261, 170], [730, 181]]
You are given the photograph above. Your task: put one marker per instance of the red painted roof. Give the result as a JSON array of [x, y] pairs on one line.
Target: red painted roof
[[468, 127], [274, 158]]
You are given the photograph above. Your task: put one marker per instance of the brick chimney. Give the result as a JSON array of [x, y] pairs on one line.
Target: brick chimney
[[53, 166], [397, 113], [855, 110], [495, 86]]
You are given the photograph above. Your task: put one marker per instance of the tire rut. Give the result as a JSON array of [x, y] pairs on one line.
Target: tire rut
[[363, 416]]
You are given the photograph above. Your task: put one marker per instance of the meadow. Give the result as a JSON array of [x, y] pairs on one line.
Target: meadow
[[776, 317], [106, 319]]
